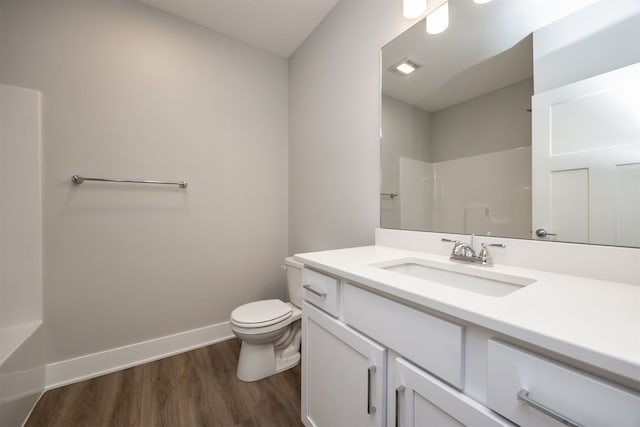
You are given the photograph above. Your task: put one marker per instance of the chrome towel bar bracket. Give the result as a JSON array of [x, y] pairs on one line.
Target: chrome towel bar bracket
[[77, 179]]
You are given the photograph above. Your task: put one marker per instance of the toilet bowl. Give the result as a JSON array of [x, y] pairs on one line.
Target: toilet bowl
[[270, 330]]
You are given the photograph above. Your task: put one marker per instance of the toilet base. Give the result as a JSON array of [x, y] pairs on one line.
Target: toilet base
[[258, 361]]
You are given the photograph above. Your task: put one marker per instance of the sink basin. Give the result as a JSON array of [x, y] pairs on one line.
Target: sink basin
[[486, 282]]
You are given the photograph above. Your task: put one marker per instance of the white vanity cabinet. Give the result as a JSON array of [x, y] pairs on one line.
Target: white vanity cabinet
[[373, 359], [345, 365], [343, 374]]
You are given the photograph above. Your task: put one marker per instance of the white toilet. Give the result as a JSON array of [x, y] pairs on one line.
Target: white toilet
[[270, 330]]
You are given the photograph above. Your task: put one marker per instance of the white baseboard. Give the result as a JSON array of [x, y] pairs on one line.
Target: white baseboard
[[104, 362]]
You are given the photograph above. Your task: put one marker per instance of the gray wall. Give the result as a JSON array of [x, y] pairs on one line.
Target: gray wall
[[129, 91], [405, 133], [334, 98], [489, 123]]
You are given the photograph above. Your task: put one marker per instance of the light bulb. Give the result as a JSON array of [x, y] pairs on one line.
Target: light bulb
[[438, 20], [406, 68], [413, 8]]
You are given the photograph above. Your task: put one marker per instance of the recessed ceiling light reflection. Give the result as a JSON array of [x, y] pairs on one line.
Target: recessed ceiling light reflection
[[405, 67]]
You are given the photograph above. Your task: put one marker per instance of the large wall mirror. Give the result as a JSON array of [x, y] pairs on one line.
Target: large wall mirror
[[521, 120]]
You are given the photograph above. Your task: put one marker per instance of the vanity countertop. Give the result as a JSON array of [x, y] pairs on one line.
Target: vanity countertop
[[593, 321]]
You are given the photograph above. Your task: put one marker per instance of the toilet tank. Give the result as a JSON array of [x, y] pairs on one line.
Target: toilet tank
[[294, 280]]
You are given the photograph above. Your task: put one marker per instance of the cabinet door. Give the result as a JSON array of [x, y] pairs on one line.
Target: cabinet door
[[343, 374], [422, 400]]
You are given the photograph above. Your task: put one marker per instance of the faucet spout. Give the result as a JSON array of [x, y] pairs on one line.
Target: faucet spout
[[464, 252]]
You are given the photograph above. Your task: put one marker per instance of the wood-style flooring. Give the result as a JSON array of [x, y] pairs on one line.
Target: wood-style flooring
[[197, 388]]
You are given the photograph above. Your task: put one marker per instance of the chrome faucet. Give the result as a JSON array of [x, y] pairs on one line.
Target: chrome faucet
[[464, 252]]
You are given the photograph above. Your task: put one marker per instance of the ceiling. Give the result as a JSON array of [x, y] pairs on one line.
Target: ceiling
[[486, 47], [277, 26]]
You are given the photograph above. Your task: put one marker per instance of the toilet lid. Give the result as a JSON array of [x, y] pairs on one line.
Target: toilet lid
[[261, 313]]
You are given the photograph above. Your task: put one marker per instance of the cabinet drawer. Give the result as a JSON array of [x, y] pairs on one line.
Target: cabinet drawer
[[430, 342], [320, 290], [550, 391]]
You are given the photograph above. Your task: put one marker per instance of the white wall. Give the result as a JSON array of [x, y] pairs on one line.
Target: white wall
[[132, 92], [601, 37], [459, 196], [334, 88], [416, 199], [21, 332], [469, 199], [20, 207]]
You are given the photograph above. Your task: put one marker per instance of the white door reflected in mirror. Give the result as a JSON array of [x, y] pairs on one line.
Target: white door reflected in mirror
[[586, 160]]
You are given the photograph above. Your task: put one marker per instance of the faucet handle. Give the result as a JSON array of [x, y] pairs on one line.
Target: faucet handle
[[456, 245], [485, 256], [498, 245]]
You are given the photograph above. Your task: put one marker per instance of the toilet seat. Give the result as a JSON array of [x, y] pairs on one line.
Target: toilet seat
[[260, 314]]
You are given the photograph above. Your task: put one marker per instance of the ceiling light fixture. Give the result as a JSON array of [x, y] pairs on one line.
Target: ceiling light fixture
[[413, 8], [437, 17], [406, 66], [438, 20]]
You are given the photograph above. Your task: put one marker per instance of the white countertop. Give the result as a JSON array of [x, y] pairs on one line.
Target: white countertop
[[593, 321]]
